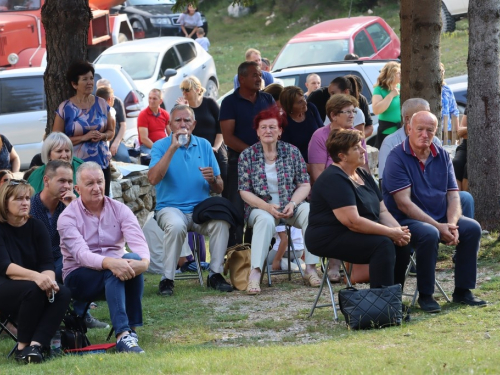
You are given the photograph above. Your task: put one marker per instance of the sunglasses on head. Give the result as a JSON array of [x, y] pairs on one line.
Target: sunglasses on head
[[18, 181]]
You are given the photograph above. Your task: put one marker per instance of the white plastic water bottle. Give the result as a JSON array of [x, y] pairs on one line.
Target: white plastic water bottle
[[55, 343], [183, 139]]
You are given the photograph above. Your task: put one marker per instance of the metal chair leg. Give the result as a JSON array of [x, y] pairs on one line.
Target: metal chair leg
[[324, 265], [196, 254]]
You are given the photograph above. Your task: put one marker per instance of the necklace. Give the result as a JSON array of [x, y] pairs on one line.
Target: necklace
[[271, 159], [84, 102], [354, 178]]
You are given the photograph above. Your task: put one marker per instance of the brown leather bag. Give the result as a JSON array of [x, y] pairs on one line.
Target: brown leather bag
[[360, 273], [238, 264]]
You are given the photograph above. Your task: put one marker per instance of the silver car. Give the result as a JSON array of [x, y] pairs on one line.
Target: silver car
[[23, 111], [163, 63]]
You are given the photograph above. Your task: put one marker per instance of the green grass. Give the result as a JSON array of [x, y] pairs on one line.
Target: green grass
[[199, 331], [230, 37]]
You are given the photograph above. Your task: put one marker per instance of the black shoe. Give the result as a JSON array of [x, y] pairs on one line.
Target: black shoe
[[218, 282], [18, 355], [413, 270], [406, 314], [33, 354], [166, 287], [428, 304], [467, 298]]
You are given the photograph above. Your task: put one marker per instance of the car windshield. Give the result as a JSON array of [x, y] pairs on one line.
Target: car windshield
[[151, 2], [310, 53], [139, 65], [16, 6]]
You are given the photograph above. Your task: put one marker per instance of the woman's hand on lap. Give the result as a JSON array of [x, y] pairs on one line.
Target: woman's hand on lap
[[288, 210], [273, 210], [45, 283]]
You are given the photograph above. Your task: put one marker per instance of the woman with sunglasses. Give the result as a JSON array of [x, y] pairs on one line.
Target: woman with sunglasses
[[28, 290], [206, 113]]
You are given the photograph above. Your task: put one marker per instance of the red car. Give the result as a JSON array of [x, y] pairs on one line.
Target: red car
[[370, 38]]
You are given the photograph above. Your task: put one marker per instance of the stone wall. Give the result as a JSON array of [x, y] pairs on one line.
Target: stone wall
[[136, 192]]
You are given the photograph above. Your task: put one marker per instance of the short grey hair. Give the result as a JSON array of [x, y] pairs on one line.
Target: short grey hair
[[103, 82], [88, 165], [412, 106], [54, 140], [180, 107]]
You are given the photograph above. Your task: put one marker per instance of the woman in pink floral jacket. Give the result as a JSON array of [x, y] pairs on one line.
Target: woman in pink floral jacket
[[273, 183]]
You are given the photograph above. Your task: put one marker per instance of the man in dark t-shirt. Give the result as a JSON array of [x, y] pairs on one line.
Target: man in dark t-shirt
[[236, 121]]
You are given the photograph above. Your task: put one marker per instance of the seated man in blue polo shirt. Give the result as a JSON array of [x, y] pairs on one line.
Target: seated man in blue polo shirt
[[184, 169], [421, 192]]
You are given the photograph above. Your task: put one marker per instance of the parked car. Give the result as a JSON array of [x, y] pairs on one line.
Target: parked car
[[369, 37], [154, 17], [163, 63], [459, 88], [23, 111], [452, 11], [367, 70]]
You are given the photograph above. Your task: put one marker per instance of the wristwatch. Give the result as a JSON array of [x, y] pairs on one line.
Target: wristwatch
[[214, 180], [294, 205]]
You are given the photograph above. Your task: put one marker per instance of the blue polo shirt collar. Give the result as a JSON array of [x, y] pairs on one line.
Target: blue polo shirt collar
[[237, 94], [409, 151]]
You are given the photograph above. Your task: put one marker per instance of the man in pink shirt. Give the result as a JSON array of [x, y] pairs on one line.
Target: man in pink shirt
[[93, 231]]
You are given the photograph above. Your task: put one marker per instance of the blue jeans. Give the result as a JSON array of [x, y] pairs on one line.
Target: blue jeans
[[425, 240], [124, 298], [122, 154], [467, 203]]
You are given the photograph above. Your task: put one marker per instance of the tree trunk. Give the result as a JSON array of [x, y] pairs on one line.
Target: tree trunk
[[483, 111], [406, 19], [66, 25], [425, 77]]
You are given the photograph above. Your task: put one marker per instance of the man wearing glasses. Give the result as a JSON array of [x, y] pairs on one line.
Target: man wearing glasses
[[184, 170]]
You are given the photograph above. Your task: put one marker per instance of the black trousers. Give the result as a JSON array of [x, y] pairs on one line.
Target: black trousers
[[460, 161], [387, 261], [232, 193], [384, 125], [37, 319]]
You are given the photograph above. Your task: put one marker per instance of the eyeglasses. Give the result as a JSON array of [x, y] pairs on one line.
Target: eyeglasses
[[18, 182], [353, 112], [183, 89]]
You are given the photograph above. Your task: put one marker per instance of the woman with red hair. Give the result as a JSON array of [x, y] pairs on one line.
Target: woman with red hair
[[273, 183]]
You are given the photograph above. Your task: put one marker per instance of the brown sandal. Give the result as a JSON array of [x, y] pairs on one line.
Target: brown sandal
[[312, 279]]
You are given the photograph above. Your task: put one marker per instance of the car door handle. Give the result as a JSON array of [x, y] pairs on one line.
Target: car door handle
[[43, 119], [184, 75], [203, 66]]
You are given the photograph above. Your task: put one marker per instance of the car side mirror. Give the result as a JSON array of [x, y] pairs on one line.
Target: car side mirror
[[169, 73]]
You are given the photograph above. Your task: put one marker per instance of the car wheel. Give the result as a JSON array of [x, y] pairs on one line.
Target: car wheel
[[212, 89], [447, 20]]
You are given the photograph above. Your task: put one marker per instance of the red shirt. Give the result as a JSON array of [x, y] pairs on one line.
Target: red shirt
[[156, 125]]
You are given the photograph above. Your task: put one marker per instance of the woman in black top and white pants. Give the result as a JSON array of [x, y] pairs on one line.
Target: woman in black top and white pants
[[348, 219]]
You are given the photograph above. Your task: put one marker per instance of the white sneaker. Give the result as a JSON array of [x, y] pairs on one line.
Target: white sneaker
[[284, 265], [300, 264]]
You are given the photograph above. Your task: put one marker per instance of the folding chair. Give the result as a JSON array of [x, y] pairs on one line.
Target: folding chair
[[4, 320], [413, 261], [324, 268], [290, 249], [196, 255]]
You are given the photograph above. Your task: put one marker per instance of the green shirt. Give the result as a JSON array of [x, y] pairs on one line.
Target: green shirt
[[36, 178], [393, 112]]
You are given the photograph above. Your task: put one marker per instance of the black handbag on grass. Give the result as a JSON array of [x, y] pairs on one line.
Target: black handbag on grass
[[73, 334], [371, 308]]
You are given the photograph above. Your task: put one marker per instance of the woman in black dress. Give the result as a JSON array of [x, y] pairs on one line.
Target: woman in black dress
[[348, 219], [28, 289]]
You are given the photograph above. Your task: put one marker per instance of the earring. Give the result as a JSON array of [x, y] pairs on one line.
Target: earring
[[279, 136]]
